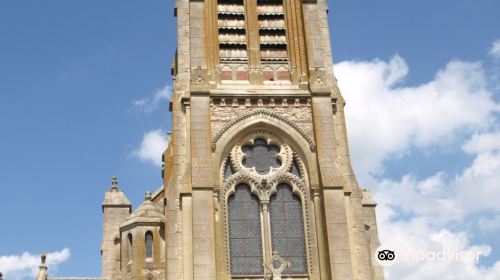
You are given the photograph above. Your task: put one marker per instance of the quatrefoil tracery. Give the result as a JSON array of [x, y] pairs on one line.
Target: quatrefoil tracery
[[261, 157]]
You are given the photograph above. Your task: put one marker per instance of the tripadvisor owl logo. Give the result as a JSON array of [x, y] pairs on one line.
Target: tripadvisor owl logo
[[386, 255]]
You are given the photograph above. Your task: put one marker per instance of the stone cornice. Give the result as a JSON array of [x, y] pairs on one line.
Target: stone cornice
[[142, 224]]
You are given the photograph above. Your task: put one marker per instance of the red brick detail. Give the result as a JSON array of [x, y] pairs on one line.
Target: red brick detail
[[241, 75], [226, 75], [283, 75], [268, 75]]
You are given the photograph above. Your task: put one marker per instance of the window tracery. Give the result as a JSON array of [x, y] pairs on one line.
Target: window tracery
[[261, 156], [265, 170]]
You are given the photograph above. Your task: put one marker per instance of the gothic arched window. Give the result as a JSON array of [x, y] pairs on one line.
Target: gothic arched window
[[287, 229], [268, 222], [149, 244], [130, 247], [245, 241]]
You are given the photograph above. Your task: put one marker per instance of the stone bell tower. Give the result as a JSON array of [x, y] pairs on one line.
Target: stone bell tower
[[258, 182]]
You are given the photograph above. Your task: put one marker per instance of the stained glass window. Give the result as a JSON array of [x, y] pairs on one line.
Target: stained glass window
[[261, 156], [287, 229], [149, 244], [245, 241]]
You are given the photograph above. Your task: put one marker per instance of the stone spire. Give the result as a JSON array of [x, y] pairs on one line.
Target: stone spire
[[42, 272], [114, 183], [115, 197]]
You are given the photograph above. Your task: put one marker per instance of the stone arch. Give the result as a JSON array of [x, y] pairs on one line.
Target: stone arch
[[282, 133], [258, 120], [263, 114]]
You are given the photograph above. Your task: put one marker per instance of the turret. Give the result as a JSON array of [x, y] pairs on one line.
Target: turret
[[143, 240], [116, 209]]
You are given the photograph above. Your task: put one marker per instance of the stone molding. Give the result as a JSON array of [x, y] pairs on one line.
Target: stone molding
[[142, 224], [263, 113]]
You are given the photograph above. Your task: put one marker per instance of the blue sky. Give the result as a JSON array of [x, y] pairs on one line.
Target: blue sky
[[83, 90]]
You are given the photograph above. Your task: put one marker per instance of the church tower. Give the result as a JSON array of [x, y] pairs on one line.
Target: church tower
[[258, 182], [257, 179]]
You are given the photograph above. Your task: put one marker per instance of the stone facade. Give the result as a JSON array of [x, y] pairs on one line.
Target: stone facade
[[255, 110]]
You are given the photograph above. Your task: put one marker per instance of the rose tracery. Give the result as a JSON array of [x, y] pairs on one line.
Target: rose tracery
[[261, 156]]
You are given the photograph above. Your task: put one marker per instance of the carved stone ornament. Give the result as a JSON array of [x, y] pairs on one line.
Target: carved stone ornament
[[298, 118], [276, 266], [199, 78], [318, 80]]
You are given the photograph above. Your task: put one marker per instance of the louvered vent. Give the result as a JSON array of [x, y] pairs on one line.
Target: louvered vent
[[273, 41], [232, 40]]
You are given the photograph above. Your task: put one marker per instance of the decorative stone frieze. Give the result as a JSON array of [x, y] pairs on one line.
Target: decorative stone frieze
[[294, 112]]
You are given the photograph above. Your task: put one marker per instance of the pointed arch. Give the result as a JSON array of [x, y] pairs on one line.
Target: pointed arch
[[291, 134], [262, 114]]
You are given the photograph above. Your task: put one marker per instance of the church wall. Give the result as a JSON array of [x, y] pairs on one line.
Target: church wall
[[372, 236], [325, 38], [113, 218], [177, 172], [200, 142], [203, 235], [337, 234], [174, 264], [187, 237], [312, 29], [197, 34]]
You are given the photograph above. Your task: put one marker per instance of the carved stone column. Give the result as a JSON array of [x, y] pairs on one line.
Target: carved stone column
[[323, 254]]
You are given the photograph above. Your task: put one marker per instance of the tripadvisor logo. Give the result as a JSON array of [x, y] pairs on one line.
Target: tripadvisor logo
[[389, 254], [386, 255]]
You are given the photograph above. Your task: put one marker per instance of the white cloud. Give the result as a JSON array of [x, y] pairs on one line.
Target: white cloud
[[150, 104], [397, 118], [495, 49], [152, 147], [419, 234], [436, 206], [478, 188], [455, 108], [481, 143], [25, 266]]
